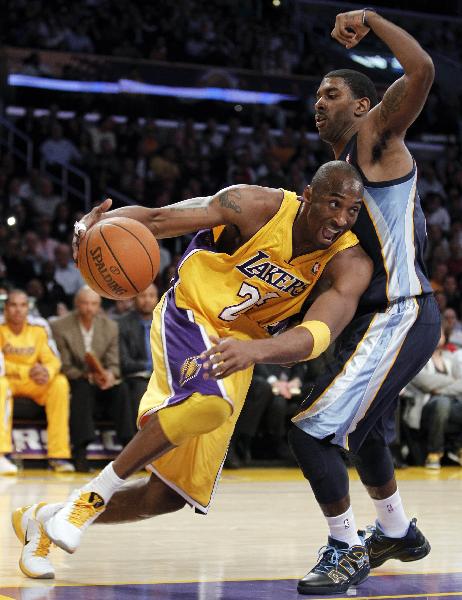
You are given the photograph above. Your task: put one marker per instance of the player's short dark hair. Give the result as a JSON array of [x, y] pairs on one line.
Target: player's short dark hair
[[333, 171], [361, 85]]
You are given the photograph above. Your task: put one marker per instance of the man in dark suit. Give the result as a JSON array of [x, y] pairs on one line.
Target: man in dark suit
[[88, 342], [135, 348], [273, 397]]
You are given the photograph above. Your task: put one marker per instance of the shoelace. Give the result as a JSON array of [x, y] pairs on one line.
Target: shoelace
[[335, 556], [82, 512], [43, 546]]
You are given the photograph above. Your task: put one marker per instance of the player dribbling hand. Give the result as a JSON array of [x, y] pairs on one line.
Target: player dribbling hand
[[81, 227]]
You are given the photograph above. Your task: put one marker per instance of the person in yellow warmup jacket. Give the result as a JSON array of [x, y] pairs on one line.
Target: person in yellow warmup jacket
[[30, 367]]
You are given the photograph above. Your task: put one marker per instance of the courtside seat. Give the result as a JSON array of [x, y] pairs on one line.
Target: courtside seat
[[29, 433]]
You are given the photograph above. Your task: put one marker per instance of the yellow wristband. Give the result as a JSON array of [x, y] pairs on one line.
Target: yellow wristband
[[321, 337]]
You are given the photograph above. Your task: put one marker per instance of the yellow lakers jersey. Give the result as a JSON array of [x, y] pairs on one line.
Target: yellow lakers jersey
[[19, 353], [252, 291]]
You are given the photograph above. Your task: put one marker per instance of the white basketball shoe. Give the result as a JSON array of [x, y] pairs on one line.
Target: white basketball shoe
[[65, 528], [34, 561]]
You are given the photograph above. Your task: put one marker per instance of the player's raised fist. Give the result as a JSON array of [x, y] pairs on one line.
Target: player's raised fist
[[350, 27]]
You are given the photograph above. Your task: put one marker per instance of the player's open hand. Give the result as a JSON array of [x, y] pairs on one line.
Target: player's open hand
[[227, 356], [349, 29], [81, 227]]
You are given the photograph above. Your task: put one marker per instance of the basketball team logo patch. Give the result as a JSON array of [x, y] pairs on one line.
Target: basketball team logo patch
[[189, 369]]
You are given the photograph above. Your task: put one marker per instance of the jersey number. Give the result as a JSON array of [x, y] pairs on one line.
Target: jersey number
[[251, 297]]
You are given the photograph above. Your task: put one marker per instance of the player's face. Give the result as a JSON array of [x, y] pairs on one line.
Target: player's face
[[332, 213], [16, 309], [334, 109], [146, 302]]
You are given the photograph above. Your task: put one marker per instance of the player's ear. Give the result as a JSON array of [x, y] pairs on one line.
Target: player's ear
[[362, 107], [307, 194]]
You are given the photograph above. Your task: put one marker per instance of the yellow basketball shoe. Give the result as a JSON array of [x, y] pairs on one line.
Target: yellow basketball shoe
[[66, 527], [34, 561]]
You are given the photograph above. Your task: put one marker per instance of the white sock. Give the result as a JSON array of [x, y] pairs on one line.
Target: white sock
[[105, 484], [343, 528], [47, 511], [391, 516]]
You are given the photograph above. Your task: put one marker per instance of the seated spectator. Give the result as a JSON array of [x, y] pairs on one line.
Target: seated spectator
[[287, 385], [57, 149], [32, 251], [451, 289], [32, 368], [66, 273], [14, 197], [94, 390], [273, 397], [429, 182], [436, 213], [452, 327], [438, 246], [46, 244], [455, 261], [46, 302], [103, 131], [439, 274], [62, 225], [119, 308], [258, 399], [436, 406], [44, 203], [54, 293], [135, 347], [19, 268], [441, 300]]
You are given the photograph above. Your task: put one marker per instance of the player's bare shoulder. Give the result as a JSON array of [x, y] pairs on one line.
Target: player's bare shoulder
[[349, 268]]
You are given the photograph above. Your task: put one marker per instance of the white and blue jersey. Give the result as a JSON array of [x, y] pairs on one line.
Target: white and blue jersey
[[396, 327], [391, 229]]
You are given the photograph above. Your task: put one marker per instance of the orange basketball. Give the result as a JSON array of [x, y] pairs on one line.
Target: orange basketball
[[118, 258]]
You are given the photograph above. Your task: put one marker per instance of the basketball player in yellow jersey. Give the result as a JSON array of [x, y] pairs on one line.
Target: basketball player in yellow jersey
[[257, 257], [30, 367]]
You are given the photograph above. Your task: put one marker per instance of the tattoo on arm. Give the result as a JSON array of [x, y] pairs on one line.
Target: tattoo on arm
[[203, 209], [200, 204], [227, 202], [393, 100]]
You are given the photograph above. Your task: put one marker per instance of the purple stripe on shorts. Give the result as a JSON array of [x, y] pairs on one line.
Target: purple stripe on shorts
[[184, 344]]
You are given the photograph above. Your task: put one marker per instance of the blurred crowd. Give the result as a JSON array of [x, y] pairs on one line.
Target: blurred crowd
[[256, 35]]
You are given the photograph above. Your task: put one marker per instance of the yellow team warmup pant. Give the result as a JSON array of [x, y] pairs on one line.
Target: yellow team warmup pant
[[54, 397]]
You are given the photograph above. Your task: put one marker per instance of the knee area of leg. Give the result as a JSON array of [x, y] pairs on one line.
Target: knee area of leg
[[60, 383], [195, 416], [3, 384], [309, 453]]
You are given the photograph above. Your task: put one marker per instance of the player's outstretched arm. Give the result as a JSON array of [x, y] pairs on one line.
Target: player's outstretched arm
[[349, 274], [404, 99], [248, 207]]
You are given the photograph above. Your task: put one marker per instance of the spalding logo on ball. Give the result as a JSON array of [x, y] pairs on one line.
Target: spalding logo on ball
[[118, 258]]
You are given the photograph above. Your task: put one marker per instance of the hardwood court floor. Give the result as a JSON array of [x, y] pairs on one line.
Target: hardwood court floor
[[262, 533]]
